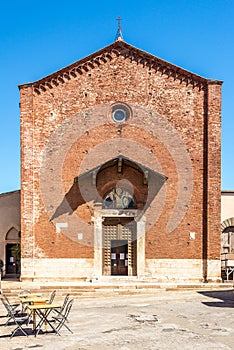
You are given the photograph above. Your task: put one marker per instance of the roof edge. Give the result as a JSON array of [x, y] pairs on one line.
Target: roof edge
[[70, 66], [8, 193], [118, 47]]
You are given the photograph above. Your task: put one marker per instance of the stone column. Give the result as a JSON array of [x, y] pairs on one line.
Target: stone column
[[141, 247], [98, 244]]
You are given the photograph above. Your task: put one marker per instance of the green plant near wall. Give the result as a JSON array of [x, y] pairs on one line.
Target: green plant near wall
[[15, 251]]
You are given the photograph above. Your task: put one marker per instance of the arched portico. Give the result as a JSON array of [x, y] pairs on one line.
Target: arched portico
[[125, 189]]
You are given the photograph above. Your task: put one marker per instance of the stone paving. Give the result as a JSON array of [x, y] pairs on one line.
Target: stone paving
[[165, 320]]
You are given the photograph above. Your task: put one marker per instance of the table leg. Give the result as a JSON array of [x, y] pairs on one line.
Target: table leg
[[34, 320], [44, 318]]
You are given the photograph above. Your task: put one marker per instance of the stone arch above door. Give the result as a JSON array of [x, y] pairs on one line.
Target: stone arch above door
[[227, 236], [227, 223], [12, 235], [135, 181]]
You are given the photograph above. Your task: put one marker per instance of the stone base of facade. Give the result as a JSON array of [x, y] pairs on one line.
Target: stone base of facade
[[183, 270], [56, 269], [158, 270]]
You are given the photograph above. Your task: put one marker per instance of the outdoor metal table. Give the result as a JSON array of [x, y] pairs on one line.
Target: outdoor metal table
[[34, 300], [43, 311]]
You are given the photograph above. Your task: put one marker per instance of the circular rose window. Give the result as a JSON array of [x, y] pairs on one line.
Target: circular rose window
[[119, 115], [120, 112]]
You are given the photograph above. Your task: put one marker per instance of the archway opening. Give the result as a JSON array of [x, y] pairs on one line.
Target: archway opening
[[227, 251], [12, 252]]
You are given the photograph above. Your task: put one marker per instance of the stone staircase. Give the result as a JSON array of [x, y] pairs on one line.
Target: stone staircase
[[105, 287]]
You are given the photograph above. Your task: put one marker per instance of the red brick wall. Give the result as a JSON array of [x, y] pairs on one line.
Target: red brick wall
[[214, 169], [85, 100]]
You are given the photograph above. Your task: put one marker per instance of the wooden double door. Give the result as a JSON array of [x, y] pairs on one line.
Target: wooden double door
[[119, 247]]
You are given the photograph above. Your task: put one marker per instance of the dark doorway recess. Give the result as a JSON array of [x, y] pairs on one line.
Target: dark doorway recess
[[119, 257]]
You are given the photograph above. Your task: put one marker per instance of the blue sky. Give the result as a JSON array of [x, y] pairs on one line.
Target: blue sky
[[38, 38]]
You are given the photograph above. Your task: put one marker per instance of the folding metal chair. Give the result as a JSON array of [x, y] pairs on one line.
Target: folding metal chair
[[25, 292], [16, 317], [10, 309], [62, 318], [14, 306], [59, 311], [52, 296], [19, 319]]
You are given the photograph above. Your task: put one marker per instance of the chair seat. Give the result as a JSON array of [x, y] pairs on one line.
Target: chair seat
[[21, 316]]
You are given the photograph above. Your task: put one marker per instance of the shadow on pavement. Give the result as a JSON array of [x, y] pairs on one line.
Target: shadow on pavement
[[226, 298]]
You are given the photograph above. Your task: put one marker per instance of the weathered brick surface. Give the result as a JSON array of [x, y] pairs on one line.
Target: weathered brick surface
[[67, 129]]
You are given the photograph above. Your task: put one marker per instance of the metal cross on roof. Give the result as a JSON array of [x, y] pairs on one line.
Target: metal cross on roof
[[119, 35]]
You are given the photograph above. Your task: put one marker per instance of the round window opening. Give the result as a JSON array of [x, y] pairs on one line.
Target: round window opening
[[119, 115]]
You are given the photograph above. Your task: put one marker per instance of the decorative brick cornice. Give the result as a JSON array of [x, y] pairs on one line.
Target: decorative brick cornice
[[214, 82], [118, 48]]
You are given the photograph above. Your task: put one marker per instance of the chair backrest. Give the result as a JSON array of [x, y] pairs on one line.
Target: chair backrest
[[7, 306], [6, 299], [52, 296], [65, 302], [25, 292], [4, 303], [68, 309]]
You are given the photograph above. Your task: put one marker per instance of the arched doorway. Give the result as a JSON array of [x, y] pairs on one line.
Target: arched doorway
[[125, 190], [121, 191], [12, 252]]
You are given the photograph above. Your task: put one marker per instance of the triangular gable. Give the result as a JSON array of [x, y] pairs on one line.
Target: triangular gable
[[104, 55], [115, 160]]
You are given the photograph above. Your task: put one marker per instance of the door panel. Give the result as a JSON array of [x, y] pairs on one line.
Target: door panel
[[119, 257]]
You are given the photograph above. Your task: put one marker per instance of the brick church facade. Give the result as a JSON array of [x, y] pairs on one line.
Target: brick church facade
[[120, 170]]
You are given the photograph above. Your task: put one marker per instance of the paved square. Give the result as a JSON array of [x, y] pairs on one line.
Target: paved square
[[163, 320]]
